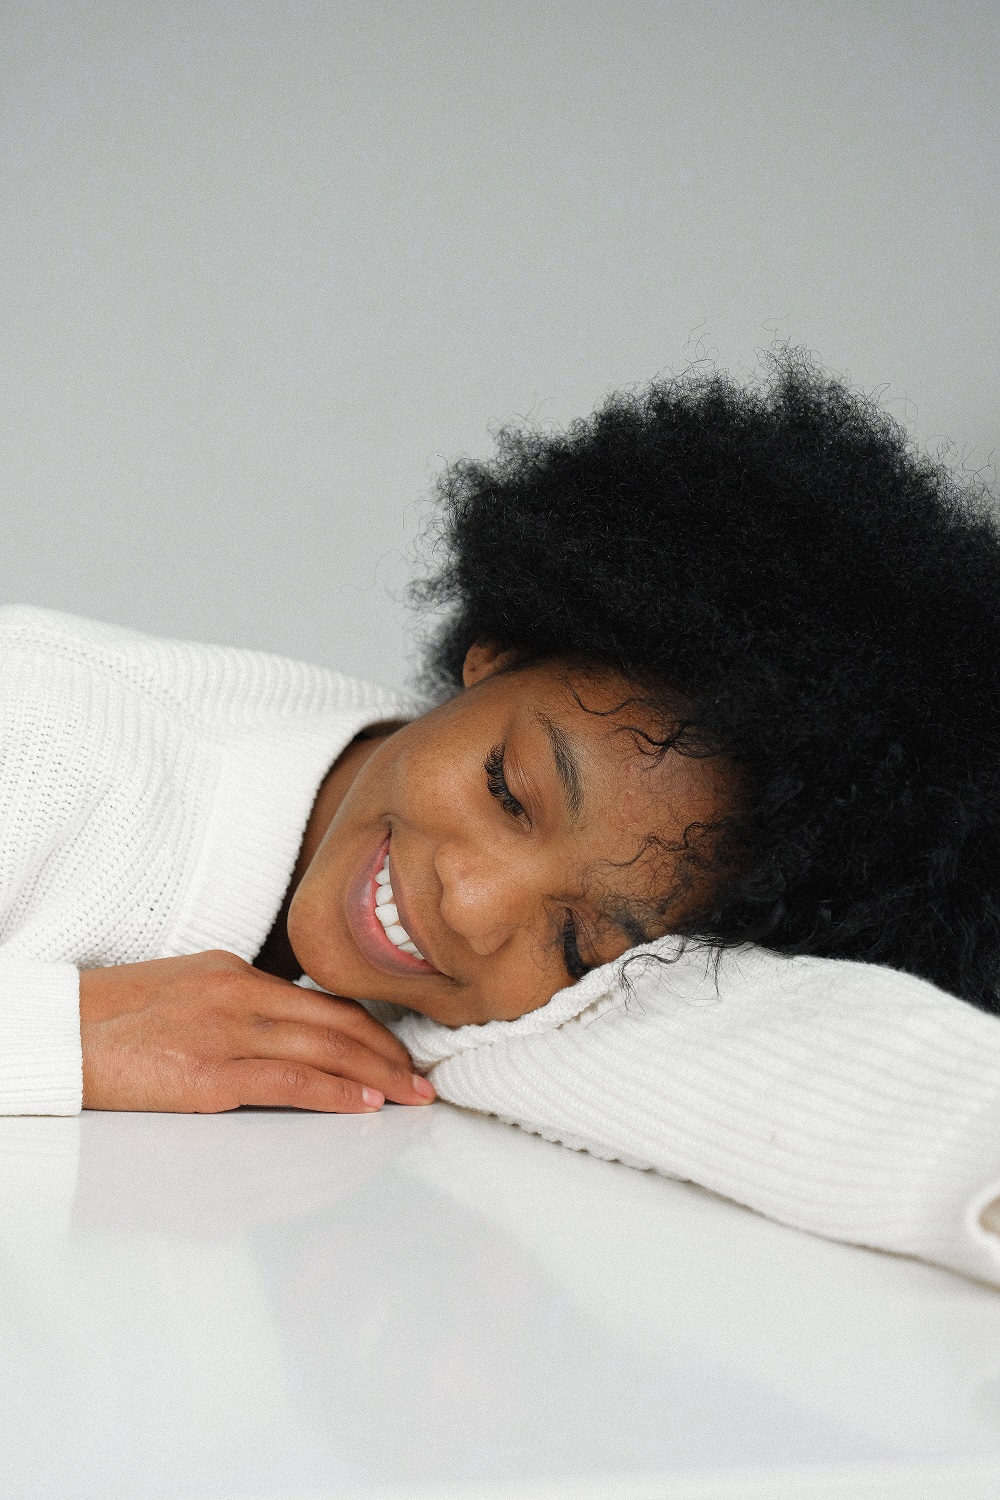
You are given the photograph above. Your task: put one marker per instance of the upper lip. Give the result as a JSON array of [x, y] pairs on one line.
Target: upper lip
[[405, 919]]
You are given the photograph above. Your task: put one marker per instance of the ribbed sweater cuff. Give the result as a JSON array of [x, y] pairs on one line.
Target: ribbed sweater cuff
[[921, 1186], [41, 1063], [849, 1101]]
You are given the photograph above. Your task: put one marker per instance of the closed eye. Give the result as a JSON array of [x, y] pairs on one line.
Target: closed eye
[[575, 966], [497, 784]]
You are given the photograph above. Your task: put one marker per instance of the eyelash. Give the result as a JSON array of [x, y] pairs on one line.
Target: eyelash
[[575, 966], [496, 781], [497, 785]]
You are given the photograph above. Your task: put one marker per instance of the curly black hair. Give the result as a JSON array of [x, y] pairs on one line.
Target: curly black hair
[[825, 600]]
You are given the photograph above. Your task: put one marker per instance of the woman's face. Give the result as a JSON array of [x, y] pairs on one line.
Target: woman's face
[[504, 829]]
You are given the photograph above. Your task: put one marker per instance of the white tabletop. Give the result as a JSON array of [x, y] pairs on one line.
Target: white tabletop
[[276, 1306]]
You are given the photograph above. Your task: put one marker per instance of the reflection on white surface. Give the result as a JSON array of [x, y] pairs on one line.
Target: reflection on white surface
[[271, 1304]]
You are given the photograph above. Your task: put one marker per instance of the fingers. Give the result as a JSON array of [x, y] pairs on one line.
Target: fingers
[[208, 1032], [331, 1050], [263, 1081], [308, 1007]]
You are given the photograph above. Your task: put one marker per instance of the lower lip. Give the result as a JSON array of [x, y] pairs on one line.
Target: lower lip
[[366, 929]]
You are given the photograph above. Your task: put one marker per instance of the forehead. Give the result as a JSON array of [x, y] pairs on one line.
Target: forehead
[[601, 695], [606, 734], [639, 805]]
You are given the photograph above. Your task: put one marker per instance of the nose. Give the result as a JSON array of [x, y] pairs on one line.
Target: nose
[[483, 898]]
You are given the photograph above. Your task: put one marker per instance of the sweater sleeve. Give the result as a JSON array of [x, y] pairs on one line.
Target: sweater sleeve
[[153, 797], [41, 1066], [846, 1099]]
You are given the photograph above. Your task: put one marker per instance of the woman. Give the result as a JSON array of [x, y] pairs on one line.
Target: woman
[[720, 662]]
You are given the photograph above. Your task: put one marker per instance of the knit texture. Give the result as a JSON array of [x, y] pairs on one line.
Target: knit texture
[[153, 798], [854, 1101]]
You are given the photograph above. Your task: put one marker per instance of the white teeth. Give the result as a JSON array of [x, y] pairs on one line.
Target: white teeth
[[388, 915]]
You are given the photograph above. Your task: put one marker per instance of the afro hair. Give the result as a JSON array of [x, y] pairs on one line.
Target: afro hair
[[823, 597]]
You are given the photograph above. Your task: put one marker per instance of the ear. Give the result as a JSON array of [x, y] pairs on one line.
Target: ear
[[484, 659]]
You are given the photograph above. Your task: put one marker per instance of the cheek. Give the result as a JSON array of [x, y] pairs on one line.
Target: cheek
[[506, 988], [307, 919], [429, 779]]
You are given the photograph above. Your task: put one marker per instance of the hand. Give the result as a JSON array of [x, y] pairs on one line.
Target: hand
[[209, 1032]]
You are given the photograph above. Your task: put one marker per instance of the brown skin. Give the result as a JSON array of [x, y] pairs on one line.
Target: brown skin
[[483, 891], [485, 887]]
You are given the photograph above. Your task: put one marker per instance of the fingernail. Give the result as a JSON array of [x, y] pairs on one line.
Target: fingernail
[[373, 1098], [423, 1087]]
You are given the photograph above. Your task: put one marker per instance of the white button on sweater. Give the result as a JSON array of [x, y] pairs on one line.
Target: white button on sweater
[[153, 797]]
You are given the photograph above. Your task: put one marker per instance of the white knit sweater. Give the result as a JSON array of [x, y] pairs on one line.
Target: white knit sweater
[[153, 797], [847, 1099]]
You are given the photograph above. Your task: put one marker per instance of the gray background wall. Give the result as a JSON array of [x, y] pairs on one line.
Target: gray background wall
[[268, 263]]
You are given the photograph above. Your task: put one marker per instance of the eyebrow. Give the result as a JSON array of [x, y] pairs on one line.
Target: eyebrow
[[567, 768], [626, 915]]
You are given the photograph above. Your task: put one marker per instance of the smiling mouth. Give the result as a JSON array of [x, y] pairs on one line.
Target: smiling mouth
[[373, 917], [388, 914]]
